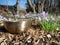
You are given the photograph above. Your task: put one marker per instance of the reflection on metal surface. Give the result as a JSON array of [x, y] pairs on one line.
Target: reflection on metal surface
[[2, 24], [23, 25]]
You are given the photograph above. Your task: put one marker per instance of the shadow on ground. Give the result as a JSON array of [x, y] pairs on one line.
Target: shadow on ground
[[2, 29]]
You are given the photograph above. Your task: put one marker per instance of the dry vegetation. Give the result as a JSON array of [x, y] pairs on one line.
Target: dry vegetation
[[31, 37]]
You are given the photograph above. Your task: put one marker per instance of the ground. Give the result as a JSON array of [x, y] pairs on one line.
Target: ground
[[30, 37]]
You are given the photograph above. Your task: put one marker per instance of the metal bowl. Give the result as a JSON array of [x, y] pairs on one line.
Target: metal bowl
[[18, 26]]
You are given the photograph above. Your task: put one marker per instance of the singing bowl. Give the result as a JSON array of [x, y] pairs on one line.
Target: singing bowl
[[18, 26]]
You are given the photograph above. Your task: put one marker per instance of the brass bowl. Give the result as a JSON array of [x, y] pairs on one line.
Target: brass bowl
[[18, 26]]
